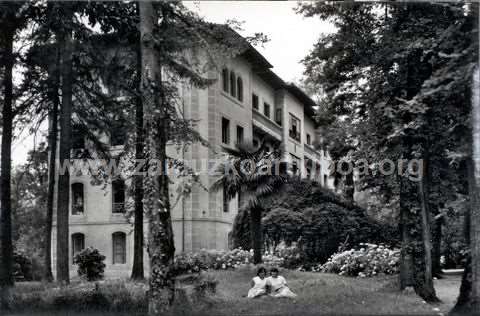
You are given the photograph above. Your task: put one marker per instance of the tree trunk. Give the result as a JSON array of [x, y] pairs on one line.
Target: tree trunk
[[6, 255], [256, 231], [475, 211], [466, 305], [63, 187], [437, 246], [349, 187], [426, 289], [468, 302], [137, 269], [406, 256], [52, 144], [160, 236]]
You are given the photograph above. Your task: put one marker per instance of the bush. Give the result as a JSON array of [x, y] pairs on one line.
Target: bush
[[281, 224], [187, 263], [367, 261], [22, 269], [292, 257], [316, 220], [90, 264], [210, 259]]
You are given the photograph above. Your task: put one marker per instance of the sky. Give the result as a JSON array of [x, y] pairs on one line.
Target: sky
[[291, 37]]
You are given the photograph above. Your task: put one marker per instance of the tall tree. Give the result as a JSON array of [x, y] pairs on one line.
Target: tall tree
[[65, 143], [13, 18], [9, 28], [160, 237], [137, 269], [52, 146]]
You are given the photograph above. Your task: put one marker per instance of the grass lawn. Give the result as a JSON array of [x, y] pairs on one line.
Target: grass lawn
[[318, 293]]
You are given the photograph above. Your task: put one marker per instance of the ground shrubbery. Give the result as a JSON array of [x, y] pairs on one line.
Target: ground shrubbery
[[107, 296], [113, 296], [186, 263], [90, 264], [367, 261]]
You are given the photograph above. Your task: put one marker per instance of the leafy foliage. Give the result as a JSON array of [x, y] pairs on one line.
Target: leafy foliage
[[316, 219], [281, 224], [90, 264]]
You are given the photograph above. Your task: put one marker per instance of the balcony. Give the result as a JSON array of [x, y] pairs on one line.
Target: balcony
[[266, 125]]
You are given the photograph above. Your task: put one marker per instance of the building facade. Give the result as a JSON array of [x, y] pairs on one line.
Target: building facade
[[247, 103]]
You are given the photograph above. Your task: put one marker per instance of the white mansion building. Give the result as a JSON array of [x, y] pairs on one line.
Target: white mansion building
[[248, 103]]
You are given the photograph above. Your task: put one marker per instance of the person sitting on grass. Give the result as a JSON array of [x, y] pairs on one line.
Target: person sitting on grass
[[258, 284], [278, 285]]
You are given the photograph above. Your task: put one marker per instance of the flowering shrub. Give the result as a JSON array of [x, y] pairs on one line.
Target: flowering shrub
[[368, 261], [218, 260], [292, 257]]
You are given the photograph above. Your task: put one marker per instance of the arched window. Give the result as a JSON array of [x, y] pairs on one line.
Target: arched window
[[77, 199], [225, 79], [118, 196], [240, 89], [119, 246], [233, 85], [78, 243]]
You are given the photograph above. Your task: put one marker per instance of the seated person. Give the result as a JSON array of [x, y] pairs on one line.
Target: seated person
[[278, 285], [258, 284]]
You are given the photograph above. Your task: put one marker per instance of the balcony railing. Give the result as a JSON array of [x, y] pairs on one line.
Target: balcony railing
[[118, 208], [267, 125]]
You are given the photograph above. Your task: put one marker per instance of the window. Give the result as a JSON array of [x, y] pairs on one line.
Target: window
[[318, 172], [233, 83], [255, 101], [77, 198], [294, 130], [225, 131], [118, 194], [239, 89], [266, 109], [239, 134], [267, 149], [78, 243], [225, 79], [325, 178], [309, 141], [226, 200], [278, 116], [255, 143], [119, 241]]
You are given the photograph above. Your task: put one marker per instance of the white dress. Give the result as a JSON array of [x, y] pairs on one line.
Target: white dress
[[259, 287], [279, 287]]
